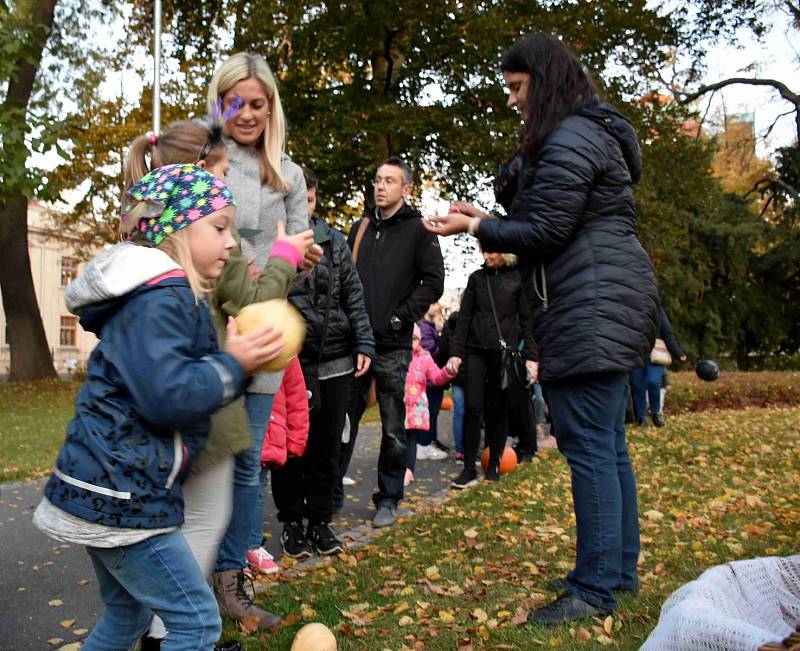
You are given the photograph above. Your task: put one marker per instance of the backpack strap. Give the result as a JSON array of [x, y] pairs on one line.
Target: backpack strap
[[362, 227]]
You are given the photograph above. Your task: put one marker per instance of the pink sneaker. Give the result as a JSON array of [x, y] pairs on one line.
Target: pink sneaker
[[261, 561], [409, 478]]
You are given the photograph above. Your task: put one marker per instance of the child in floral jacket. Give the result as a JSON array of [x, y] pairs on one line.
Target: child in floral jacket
[[422, 370]]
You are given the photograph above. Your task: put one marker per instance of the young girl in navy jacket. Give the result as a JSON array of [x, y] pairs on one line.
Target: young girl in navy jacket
[[153, 380]]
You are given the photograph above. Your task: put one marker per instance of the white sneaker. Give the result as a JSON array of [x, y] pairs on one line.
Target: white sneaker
[[348, 481], [432, 453], [422, 451]]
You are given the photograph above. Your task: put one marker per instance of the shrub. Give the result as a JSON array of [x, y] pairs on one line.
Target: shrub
[[733, 390]]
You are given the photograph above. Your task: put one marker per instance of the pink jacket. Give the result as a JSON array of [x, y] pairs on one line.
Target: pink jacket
[[421, 371], [287, 431]]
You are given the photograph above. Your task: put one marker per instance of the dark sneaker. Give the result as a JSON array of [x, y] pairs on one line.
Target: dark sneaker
[[294, 541], [492, 473], [233, 645], [384, 516], [565, 608], [147, 643], [658, 420], [467, 478], [321, 536], [560, 584]]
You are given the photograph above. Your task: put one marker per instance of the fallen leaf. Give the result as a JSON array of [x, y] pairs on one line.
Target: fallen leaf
[[72, 646], [653, 515], [81, 631], [608, 623], [583, 634], [55, 602], [67, 623], [401, 607], [480, 615], [55, 640], [249, 624], [604, 640], [405, 620], [432, 573], [446, 617]]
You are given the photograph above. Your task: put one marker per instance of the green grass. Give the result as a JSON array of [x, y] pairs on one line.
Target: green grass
[[33, 419], [713, 487]]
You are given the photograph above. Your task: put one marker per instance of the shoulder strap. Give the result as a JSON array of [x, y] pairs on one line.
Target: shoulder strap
[[494, 313], [362, 227]]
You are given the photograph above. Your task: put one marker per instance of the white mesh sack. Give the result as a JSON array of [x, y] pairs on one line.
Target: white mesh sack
[[739, 605]]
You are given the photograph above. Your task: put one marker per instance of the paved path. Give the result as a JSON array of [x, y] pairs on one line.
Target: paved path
[[44, 583]]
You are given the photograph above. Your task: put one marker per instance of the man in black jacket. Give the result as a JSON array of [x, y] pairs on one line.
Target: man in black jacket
[[401, 269], [338, 347]]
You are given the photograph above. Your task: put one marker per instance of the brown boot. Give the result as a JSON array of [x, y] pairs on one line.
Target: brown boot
[[235, 603]]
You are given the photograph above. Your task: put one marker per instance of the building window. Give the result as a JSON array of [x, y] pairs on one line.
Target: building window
[[68, 335], [69, 270]]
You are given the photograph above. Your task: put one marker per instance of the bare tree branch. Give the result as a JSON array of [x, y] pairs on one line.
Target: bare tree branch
[[782, 88]]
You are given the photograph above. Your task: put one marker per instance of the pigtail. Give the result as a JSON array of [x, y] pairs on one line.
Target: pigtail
[[137, 166]]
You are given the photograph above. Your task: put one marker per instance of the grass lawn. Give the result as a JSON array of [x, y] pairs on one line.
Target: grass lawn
[[33, 420], [713, 487]]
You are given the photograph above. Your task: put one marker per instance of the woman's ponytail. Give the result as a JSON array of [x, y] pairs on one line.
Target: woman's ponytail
[[136, 166]]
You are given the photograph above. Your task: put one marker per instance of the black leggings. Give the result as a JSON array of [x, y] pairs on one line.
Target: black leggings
[[484, 402]]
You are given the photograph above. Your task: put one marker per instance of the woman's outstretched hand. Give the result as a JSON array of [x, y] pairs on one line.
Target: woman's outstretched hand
[[455, 222]]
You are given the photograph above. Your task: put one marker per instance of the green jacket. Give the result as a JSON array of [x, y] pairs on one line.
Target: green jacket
[[230, 429]]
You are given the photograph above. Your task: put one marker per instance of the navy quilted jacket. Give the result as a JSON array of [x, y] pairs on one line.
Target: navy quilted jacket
[[153, 380], [572, 222]]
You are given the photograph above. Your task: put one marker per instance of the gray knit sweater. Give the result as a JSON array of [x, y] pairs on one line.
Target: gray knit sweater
[[258, 209]]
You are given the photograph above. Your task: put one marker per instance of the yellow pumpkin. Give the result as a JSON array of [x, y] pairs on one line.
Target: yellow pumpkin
[[281, 315], [314, 637]]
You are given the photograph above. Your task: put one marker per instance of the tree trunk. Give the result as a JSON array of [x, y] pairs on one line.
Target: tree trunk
[[30, 354]]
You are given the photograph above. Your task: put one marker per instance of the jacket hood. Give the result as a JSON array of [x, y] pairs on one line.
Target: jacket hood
[[621, 129], [111, 277], [403, 212]]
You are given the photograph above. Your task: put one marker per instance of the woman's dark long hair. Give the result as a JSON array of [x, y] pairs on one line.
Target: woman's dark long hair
[[559, 86]]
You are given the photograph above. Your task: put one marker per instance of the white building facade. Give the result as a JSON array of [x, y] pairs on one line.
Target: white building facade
[[54, 264]]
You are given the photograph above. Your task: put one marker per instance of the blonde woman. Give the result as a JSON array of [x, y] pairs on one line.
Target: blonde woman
[[269, 188]]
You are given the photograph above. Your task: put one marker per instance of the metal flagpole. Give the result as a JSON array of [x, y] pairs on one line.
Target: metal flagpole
[[157, 67]]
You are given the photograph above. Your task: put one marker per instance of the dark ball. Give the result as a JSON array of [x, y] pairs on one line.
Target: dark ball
[[707, 369]]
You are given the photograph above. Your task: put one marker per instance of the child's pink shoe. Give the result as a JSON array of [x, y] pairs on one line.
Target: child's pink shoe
[[261, 561], [409, 478]]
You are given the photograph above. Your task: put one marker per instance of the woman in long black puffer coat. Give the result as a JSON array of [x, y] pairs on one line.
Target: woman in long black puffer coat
[[571, 219]]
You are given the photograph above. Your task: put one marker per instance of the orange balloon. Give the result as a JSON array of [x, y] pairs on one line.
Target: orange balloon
[[447, 403], [507, 462]]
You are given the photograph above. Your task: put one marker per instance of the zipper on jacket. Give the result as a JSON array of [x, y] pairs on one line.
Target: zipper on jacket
[[542, 295], [178, 460]]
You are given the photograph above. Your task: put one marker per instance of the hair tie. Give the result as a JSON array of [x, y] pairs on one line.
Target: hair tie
[[153, 139]]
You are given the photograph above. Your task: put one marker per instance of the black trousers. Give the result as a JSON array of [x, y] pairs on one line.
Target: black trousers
[[305, 485], [484, 402], [389, 371]]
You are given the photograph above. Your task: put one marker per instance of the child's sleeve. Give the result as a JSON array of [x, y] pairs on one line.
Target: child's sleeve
[[236, 288], [435, 375], [155, 354]]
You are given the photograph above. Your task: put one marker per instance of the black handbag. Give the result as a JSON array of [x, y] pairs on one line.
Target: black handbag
[[512, 361]]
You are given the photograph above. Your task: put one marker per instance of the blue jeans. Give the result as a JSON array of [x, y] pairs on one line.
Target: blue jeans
[[158, 575], [247, 519], [646, 385], [588, 413], [458, 417]]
